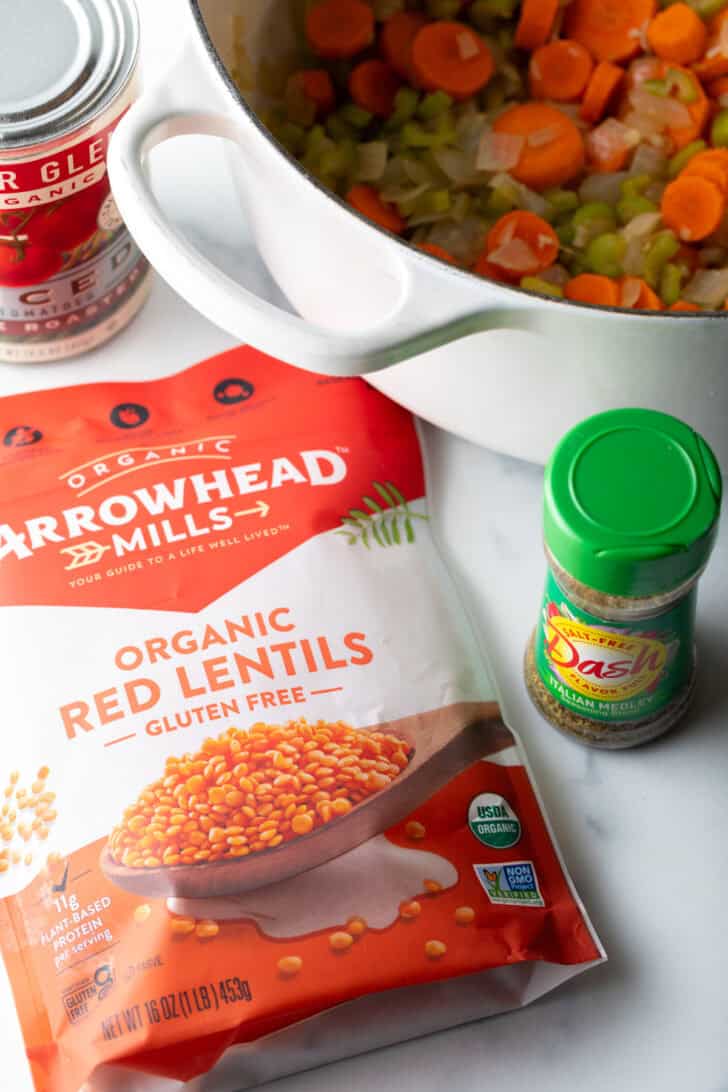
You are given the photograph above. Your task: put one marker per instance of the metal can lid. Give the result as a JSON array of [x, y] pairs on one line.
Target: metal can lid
[[632, 501], [61, 63]]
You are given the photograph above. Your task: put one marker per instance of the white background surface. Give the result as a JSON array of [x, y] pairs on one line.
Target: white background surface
[[643, 832]]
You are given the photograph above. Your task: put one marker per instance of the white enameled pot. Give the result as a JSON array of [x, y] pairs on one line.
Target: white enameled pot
[[497, 365]]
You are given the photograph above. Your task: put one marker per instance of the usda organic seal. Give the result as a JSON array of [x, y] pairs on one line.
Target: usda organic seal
[[493, 821]]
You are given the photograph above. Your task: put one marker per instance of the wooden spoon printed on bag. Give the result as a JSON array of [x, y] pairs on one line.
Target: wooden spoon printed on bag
[[445, 742]]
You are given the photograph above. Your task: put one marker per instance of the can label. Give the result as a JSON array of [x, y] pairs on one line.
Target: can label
[[69, 269], [613, 672]]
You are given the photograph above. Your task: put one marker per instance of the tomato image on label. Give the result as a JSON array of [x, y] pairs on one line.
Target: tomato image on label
[[23, 264], [602, 663], [63, 225]]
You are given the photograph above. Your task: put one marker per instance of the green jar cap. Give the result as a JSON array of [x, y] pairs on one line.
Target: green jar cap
[[631, 503]]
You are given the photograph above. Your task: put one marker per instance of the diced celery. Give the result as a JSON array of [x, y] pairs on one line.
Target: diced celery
[[482, 18], [535, 284], [354, 115], [338, 129], [443, 9], [685, 84], [501, 9], [664, 247], [565, 233], [405, 105], [719, 130], [412, 135], [706, 9], [561, 200], [505, 39], [498, 202], [433, 105], [683, 157], [292, 137], [671, 284], [636, 186], [433, 201], [605, 254], [629, 207], [316, 140], [340, 159], [593, 219], [656, 87]]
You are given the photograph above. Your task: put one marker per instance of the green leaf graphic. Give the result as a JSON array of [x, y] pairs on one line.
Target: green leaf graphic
[[388, 521]]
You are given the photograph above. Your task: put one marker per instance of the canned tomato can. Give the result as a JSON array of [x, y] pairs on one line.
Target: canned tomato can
[[71, 276]]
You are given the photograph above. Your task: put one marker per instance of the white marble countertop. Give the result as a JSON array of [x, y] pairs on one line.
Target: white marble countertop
[[643, 832]]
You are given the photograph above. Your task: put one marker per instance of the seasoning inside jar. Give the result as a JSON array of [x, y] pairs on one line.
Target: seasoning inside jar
[[631, 507]]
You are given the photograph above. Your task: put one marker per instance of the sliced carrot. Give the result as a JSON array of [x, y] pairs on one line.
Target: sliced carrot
[[678, 34], [451, 57], [553, 149], [367, 201], [396, 38], [714, 63], [711, 164], [698, 108], [712, 172], [684, 305], [718, 87], [640, 295], [340, 28], [535, 23], [693, 207], [606, 148], [601, 90], [316, 85], [522, 243], [373, 86], [711, 68], [438, 252], [609, 29], [593, 288], [484, 268], [559, 70]]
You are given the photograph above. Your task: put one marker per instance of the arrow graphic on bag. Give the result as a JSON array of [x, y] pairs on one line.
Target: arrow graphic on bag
[[262, 508], [85, 553]]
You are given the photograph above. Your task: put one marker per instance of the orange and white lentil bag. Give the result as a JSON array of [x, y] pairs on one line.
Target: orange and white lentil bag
[[259, 810]]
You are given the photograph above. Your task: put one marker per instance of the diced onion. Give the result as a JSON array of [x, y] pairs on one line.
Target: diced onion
[[642, 225], [633, 261], [468, 46], [631, 289], [522, 195], [611, 139], [664, 111], [555, 274], [372, 161], [464, 240], [499, 151], [456, 165], [708, 287], [515, 255], [647, 160], [602, 187], [540, 137]]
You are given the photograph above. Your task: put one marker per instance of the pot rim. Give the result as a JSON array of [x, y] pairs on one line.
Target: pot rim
[[622, 312]]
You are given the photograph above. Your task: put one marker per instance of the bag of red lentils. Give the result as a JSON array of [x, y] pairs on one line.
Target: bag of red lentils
[[260, 809]]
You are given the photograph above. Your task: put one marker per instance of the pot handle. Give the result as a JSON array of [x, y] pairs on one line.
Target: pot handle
[[165, 112]]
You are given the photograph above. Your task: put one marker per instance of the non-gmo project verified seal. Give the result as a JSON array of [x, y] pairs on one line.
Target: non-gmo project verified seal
[[509, 884]]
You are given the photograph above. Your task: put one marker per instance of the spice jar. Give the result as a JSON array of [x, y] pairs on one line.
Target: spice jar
[[631, 508]]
